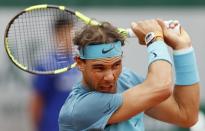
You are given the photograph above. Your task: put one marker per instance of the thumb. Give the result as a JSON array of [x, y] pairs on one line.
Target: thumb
[[184, 34], [182, 31], [134, 26]]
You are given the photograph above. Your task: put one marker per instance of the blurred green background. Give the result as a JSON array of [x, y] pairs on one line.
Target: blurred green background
[[15, 85], [106, 2]]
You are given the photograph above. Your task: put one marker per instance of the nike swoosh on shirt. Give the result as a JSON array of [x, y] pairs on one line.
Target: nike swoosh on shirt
[[136, 123], [108, 108]]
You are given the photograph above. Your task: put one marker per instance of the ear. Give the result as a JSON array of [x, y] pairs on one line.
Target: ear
[[80, 63]]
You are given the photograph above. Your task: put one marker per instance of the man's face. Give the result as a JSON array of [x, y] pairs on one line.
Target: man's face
[[102, 74]]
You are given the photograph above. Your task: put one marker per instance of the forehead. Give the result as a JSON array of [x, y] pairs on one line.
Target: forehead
[[106, 61]]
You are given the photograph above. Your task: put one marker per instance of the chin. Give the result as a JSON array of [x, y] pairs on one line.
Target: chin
[[110, 90]]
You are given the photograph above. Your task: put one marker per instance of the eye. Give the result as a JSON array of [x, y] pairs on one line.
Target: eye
[[99, 68], [117, 65]]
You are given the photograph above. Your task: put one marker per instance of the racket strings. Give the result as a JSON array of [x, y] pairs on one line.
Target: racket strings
[[36, 41]]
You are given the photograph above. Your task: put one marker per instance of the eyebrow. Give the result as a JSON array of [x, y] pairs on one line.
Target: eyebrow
[[100, 65]]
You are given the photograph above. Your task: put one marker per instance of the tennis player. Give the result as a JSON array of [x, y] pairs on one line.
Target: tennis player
[[112, 97]]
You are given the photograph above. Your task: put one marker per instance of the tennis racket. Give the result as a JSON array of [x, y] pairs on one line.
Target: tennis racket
[[38, 40]]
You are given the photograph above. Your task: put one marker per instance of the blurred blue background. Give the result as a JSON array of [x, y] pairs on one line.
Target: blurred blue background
[[15, 87]]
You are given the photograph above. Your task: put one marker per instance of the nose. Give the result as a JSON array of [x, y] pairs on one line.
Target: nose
[[109, 75]]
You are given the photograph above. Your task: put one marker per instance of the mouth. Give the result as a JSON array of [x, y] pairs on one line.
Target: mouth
[[108, 88]]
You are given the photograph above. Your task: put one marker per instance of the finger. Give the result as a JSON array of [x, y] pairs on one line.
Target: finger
[[184, 34], [162, 24], [136, 30], [182, 30], [134, 26]]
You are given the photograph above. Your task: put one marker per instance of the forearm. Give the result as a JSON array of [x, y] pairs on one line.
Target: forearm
[[155, 89], [157, 85], [186, 91], [182, 107], [143, 96], [187, 100]]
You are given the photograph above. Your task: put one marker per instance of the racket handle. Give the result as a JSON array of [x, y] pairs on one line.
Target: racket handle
[[171, 24], [130, 33]]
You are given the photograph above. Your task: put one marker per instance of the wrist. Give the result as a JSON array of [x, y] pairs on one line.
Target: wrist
[[185, 67], [158, 51], [151, 37], [183, 51], [182, 45]]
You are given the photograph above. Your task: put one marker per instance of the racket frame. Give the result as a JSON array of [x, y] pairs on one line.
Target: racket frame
[[80, 16]]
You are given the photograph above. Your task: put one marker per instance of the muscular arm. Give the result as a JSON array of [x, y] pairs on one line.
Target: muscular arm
[[181, 108], [155, 89]]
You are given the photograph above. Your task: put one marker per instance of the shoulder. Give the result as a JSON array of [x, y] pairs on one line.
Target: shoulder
[[95, 107], [130, 76], [90, 110]]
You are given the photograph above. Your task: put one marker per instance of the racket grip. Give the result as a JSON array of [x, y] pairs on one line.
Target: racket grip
[[171, 24], [130, 33]]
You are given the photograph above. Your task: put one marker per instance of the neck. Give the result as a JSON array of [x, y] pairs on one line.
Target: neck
[[85, 85]]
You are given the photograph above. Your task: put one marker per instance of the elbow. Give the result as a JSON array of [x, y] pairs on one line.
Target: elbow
[[189, 122], [163, 90], [160, 78], [162, 85], [166, 90], [165, 84]]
